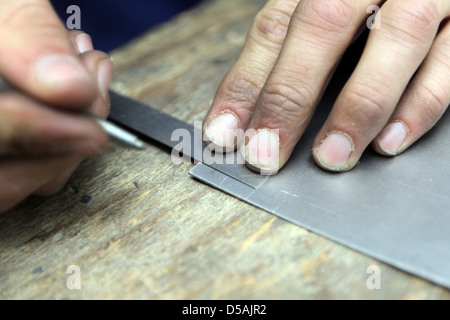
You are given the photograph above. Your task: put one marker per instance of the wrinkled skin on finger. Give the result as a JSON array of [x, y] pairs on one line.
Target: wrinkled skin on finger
[[398, 91]]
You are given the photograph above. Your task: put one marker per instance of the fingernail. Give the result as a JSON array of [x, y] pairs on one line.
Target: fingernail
[[84, 43], [105, 71], [334, 152], [392, 137], [221, 131], [262, 152], [55, 68]]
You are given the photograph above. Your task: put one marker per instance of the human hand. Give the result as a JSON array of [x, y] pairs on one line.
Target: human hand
[[291, 52], [57, 76]]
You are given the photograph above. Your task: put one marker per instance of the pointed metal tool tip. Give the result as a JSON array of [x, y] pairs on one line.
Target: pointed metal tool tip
[[139, 144]]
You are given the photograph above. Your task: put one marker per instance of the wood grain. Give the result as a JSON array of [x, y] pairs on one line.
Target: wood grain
[[139, 227]]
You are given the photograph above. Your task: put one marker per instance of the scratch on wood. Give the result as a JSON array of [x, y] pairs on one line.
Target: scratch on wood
[[264, 227], [86, 199], [37, 270]]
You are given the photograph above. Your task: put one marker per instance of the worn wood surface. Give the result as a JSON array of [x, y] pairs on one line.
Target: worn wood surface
[[139, 226]]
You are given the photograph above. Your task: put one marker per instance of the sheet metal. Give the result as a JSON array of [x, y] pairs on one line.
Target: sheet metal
[[394, 209]]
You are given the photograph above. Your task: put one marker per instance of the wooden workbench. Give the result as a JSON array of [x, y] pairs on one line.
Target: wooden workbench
[[139, 226]]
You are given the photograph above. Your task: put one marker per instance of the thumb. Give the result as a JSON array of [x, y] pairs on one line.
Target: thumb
[[37, 56]]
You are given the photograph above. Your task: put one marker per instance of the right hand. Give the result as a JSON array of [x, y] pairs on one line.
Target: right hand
[[57, 76]]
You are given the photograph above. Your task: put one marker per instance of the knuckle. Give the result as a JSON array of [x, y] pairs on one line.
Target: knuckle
[[331, 15], [240, 90], [422, 13], [414, 20], [365, 101], [272, 24], [433, 100], [282, 103]]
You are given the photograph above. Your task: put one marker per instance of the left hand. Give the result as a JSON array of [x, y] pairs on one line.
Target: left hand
[[398, 91]]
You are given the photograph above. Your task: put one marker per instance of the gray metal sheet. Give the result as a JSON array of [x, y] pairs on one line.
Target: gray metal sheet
[[394, 209]]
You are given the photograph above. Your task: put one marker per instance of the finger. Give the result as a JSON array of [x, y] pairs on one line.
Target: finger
[[319, 33], [391, 57], [96, 62], [60, 178], [20, 177], [29, 127], [100, 66], [236, 96], [38, 56], [423, 103], [82, 42]]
